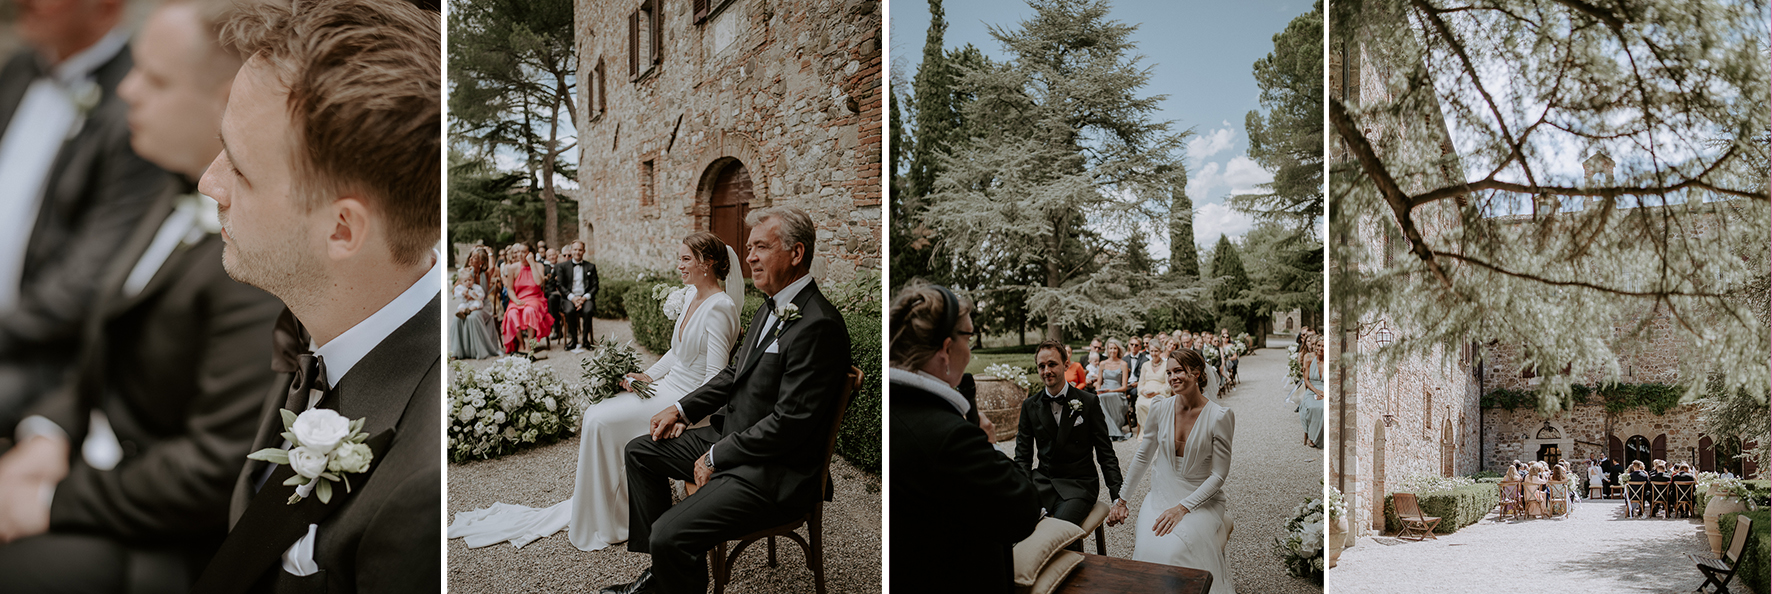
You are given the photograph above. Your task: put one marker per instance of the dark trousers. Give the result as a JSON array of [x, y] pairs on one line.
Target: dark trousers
[[679, 536], [1074, 511], [556, 305], [85, 563], [578, 320]]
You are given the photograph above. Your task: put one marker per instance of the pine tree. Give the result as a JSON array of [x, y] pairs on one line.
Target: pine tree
[[1233, 281], [1184, 261]]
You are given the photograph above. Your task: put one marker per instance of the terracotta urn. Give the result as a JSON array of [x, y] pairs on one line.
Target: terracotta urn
[[1337, 540], [1721, 502], [1000, 401]]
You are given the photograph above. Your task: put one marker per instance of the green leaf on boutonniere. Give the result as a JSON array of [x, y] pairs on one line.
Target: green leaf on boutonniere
[[272, 455], [324, 490], [288, 417], [290, 436], [357, 425]]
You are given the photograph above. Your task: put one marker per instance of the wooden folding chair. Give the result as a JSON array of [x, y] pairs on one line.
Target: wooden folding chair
[[1634, 491], [1660, 499], [721, 563], [1683, 498], [1409, 513], [1558, 499], [1510, 500], [1720, 571]]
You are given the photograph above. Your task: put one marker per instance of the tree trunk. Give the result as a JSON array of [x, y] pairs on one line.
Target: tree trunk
[[552, 206], [1053, 280]]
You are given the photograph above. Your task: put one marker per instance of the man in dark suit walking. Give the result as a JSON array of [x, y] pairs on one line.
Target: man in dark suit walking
[[759, 460], [73, 189], [577, 282], [1067, 427], [335, 210], [173, 364]]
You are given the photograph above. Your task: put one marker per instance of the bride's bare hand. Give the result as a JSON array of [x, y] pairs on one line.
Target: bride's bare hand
[[1167, 521]]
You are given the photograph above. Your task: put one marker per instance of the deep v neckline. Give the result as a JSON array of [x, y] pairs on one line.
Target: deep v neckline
[[692, 309], [1194, 427]]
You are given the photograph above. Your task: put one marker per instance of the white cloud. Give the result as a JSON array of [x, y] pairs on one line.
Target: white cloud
[[1240, 175], [1215, 219], [1211, 143]]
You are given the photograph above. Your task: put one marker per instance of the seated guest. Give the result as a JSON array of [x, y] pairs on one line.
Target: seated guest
[[1637, 472], [527, 317], [1536, 478], [469, 331], [1074, 373], [947, 479], [121, 479], [1683, 473]]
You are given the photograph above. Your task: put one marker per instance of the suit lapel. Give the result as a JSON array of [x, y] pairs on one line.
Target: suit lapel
[[799, 301], [136, 247], [14, 81]]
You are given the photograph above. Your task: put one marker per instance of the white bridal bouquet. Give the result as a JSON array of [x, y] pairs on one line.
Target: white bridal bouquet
[[604, 369], [494, 411], [673, 299], [1015, 375]]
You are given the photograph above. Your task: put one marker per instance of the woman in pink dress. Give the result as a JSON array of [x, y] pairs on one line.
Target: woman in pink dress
[[527, 317]]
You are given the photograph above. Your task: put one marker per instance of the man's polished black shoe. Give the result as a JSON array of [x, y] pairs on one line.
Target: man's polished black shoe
[[641, 585]]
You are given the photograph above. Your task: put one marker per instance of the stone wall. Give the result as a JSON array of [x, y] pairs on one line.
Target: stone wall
[[789, 88], [1510, 433]]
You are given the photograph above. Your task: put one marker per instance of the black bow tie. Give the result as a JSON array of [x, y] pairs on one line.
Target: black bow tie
[[288, 341], [311, 375], [769, 302], [1058, 398]]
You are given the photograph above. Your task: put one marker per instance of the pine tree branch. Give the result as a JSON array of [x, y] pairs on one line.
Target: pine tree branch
[[1393, 194]]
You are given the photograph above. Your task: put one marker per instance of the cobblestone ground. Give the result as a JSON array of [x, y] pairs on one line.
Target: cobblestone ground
[[1594, 549], [543, 476], [1272, 471]]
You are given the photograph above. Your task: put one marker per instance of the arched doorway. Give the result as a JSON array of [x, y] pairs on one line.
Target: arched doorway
[[1707, 455], [729, 201], [1637, 449]]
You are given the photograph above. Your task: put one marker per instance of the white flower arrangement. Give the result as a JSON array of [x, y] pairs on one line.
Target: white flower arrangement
[[787, 313], [1015, 375], [508, 405], [673, 300], [325, 448], [1302, 547], [1337, 506]]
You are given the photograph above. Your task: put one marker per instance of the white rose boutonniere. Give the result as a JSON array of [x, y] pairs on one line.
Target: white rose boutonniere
[[787, 313], [325, 447], [85, 96], [1076, 405]]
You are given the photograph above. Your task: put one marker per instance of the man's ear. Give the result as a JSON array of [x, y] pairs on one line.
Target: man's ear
[[350, 220]]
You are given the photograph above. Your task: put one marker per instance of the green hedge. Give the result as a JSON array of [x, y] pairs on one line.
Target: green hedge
[[1456, 508], [610, 297], [646, 317], [1617, 398], [1754, 556]]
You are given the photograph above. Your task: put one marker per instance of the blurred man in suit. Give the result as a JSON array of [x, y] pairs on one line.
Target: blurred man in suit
[[330, 185], [173, 368], [73, 188], [576, 280]]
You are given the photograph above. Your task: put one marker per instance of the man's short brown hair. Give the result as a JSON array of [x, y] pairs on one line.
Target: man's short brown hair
[[365, 99]]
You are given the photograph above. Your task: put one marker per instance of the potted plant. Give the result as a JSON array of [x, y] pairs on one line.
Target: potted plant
[[1000, 392], [1337, 525]]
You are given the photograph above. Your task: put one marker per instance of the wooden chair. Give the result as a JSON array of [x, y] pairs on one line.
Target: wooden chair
[[720, 562], [1409, 513], [1557, 503], [1510, 500], [1634, 492], [1660, 499], [1683, 498], [1720, 571]]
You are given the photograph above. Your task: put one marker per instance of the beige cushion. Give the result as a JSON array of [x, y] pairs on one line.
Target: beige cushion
[[1062, 566], [1096, 516], [1031, 554]]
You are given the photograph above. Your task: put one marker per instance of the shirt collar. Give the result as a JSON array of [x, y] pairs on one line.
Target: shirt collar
[[787, 294], [1061, 390], [81, 65], [350, 347]]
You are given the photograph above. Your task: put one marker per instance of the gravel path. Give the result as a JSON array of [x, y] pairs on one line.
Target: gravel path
[[1594, 549], [543, 476], [1272, 471]]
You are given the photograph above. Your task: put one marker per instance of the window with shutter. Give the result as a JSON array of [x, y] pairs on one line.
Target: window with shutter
[[634, 44], [656, 14], [701, 11]]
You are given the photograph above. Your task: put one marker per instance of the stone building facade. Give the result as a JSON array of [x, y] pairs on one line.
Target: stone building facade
[[695, 112]]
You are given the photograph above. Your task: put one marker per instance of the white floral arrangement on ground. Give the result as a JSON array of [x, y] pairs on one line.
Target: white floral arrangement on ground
[[1015, 375], [1294, 372], [513, 402], [1733, 488], [1302, 547], [324, 448], [1337, 504], [605, 367], [673, 299]]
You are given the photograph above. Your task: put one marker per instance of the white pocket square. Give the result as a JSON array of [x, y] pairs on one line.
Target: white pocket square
[[774, 347], [299, 559], [1078, 422]]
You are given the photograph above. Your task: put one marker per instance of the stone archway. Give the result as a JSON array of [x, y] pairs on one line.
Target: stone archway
[[729, 201], [1549, 442]]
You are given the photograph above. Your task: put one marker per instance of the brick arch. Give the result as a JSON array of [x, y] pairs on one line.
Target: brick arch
[[727, 146]]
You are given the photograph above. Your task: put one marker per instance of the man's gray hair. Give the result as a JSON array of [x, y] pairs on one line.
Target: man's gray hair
[[796, 226]]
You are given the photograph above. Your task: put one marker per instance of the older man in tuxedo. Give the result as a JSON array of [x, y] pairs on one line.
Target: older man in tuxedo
[[172, 368], [758, 462], [329, 184], [1067, 427], [72, 187]]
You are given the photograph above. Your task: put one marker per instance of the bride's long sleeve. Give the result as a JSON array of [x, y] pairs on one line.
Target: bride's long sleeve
[[1222, 431], [721, 324], [1147, 449]]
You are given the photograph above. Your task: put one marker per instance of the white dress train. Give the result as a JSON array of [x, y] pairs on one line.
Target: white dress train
[[1193, 480], [597, 514]]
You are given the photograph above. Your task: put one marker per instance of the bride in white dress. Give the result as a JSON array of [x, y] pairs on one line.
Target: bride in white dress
[[1184, 520], [597, 514]]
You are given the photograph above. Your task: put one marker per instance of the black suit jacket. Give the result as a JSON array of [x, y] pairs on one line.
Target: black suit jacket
[[96, 193], [383, 535], [774, 409], [563, 278], [178, 370], [1065, 445], [968, 502]]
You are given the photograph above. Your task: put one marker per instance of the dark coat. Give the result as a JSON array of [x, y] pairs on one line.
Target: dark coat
[[1067, 470]]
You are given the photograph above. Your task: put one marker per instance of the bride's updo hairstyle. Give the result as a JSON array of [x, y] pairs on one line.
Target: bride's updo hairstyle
[[923, 315], [1191, 360], [708, 248]]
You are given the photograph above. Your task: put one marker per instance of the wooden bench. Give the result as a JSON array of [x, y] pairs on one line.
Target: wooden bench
[[1099, 574]]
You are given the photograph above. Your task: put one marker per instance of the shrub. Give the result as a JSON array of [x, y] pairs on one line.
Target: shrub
[[610, 297], [1754, 555], [859, 438], [646, 317], [1457, 507]]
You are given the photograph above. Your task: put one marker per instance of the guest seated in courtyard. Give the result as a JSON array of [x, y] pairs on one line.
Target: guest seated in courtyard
[[1534, 491], [1683, 473], [1637, 472], [1661, 484], [1560, 476]]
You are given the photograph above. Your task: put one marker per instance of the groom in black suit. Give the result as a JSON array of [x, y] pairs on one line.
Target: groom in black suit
[[575, 280], [1066, 425], [758, 462]]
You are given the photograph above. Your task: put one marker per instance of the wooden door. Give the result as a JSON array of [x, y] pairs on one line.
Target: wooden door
[[1707, 455], [1659, 448], [730, 203]]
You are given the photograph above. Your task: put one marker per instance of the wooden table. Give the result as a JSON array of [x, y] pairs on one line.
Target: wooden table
[[1111, 574]]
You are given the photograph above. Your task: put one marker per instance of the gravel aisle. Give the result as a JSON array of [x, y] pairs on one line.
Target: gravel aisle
[[1595, 549], [1272, 471], [543, 476]]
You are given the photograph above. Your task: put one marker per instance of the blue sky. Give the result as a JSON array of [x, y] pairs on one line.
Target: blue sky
[[1201, 54]]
